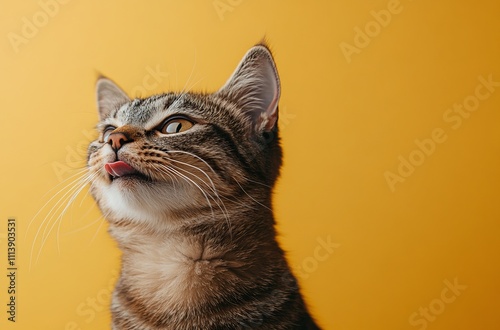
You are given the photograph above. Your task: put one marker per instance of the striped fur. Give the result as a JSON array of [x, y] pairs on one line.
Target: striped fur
[[195, 224]]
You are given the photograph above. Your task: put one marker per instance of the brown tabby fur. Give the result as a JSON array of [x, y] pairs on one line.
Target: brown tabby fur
[[195, 224]]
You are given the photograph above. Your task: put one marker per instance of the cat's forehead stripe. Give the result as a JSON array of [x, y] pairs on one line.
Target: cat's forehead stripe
[[158, 117], [141, 111], [149, 113]]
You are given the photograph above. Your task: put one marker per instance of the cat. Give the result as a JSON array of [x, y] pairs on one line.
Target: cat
[[185, 181]]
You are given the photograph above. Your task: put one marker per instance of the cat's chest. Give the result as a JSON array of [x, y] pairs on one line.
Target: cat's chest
[[173, 272]]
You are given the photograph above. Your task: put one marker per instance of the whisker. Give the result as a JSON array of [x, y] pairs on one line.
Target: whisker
[[256, 201], [68, 197], [76, 187], [187, 87], [85, 197], [211, 169], [72, 183], [81, 173], [184, 92], [257, 182], [82, 228], [212, 185], [59, 219], [176, 72], [98, 229], [212, 188], [214, 195], [193, 155], [163, 167], [190, 74], [169, 175]]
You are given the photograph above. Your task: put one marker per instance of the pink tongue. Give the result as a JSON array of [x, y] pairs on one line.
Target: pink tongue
[[119, 168]]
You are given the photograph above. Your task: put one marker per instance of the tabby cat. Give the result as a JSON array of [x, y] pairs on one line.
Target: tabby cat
[[185, 181]]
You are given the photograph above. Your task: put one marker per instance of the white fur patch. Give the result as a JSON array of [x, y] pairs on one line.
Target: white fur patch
[[142, 202]]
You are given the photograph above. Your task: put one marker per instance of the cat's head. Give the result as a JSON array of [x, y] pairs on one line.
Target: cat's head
[[178, 152]]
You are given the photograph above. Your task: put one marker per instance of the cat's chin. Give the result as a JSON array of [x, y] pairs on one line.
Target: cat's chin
[[137, 197], [136, 178]]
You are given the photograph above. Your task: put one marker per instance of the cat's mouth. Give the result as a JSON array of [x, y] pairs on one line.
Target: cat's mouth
[[120, 169]]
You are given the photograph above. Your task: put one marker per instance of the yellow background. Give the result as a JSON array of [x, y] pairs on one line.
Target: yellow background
[[344, 124]]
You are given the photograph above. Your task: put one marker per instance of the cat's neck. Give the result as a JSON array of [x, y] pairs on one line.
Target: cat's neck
[[226, 226], [165, 265]]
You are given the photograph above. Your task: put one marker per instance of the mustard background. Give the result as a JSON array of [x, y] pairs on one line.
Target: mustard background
[[367, 256]]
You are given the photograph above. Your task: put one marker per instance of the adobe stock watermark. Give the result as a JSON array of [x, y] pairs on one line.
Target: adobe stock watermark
[[222, 7], [322, 251], [151, 80], [31, 26], [88, 310], [363, 36], [285, 118], [428, 314], [75, 157], [454, 117]]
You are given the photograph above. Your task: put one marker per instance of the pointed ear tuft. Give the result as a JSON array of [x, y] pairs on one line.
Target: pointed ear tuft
[[110, 97], [255, 87]]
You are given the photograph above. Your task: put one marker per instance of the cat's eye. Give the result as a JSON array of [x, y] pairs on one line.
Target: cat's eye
[[107, 132], [176, 125]]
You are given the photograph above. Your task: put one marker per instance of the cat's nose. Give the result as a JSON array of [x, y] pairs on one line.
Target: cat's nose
[[117, 140]]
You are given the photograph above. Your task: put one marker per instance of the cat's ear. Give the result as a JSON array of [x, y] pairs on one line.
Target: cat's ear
[[110, 97], [255, 87]]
